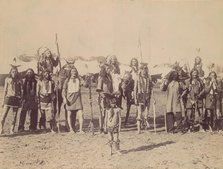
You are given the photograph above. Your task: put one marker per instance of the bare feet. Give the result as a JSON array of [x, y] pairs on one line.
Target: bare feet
[[59, 131], [11, 131], [52, 131], [1, 131], [202, 131], [71, 132], [81, 132], [119, 152], [220, 131], [210, 129], [147, 125], [44, 131]]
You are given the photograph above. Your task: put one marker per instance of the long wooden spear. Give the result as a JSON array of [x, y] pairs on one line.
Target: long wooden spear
[[152, 92], [58, 52], [140, 49], [57, 89], [91, 124], [89, 83]]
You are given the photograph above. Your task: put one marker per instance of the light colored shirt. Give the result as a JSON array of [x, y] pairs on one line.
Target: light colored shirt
[[73, 86], [43, 88], [12, 88]]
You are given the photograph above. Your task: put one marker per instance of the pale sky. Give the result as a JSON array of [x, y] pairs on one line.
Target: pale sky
[[168, 30]]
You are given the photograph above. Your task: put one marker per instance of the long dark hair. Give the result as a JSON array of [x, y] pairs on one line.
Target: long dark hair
[[137, 63], [144, 68], [17, 74], [191, 72], [29, 82], [49, 77], [199, 80], [195, 64], [69, 73], [215, 74], [172, 75], [115, 67], [33, 73]]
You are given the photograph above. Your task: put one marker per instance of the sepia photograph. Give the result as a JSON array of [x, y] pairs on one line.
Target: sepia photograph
[[111, 84]]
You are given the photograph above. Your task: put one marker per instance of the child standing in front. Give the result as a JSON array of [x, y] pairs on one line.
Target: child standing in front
[[113, 119]]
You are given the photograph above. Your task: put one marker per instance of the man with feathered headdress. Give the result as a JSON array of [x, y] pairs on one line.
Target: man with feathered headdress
[[113, 64], [47, 61]]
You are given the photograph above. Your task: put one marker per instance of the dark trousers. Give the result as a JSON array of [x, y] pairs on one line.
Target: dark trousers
[[33, 113], [171, 118], [169, 121]]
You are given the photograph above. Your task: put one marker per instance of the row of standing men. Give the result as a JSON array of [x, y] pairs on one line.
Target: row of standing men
[[32, 94], [191, 99], [194, 102]]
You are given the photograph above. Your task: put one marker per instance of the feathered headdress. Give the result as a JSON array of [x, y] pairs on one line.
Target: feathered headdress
[[15, 65]]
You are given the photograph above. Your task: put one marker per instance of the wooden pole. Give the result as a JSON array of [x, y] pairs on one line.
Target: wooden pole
[[91, 125], [58, 51], [154, 112], [140, 49], [57, 79]]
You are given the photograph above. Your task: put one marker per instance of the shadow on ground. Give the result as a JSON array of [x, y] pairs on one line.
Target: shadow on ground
[[147, 147], [131, 126]]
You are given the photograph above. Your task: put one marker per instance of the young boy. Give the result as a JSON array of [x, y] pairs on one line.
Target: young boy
[[113, 120]]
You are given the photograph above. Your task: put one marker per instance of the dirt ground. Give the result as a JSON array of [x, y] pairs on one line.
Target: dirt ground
[[147, 150]]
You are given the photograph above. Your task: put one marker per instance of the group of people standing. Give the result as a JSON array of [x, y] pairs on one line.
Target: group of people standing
[[135, 87], [194, 102], [41, 94]]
